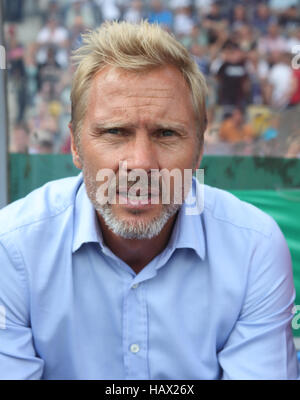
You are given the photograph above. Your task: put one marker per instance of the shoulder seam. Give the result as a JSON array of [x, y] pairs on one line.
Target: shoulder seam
[[268, 235], [36, 221]]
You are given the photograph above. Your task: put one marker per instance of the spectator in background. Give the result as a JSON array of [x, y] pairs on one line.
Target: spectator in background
[[249, 5], [262, 19], [233, 77], [109, 10], [135, 12], [17, 72], [243, 35], [42, 120], [75, 33], [213, 22], [53, 35], [280, 81], [239, 17], [273, 41], [200, 56], [160, 15], [258, 70], [82, 9], [183, 18], [31, 69], [53, 10], [215, 14], [41, 142], [49, 73], [234, 129], [289, 19], [197, 36], [20, 138], [203, 7]]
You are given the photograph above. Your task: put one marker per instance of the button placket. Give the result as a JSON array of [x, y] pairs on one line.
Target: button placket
[[135, 334]]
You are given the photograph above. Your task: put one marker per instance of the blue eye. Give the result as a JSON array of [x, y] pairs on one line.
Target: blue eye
[[113, 131], [167, 133]]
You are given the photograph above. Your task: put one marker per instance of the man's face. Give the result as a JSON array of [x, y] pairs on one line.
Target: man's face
[[146, 120]]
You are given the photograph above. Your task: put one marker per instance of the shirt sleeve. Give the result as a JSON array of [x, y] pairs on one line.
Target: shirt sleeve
[[261, 345], [18, 359]]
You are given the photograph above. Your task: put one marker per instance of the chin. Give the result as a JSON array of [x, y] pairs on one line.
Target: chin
[[137, 225]]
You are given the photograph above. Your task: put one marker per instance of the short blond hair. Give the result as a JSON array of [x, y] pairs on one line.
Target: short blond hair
[[132, 47]]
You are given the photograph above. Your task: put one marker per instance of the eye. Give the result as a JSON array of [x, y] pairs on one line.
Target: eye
[[113, 131], [167, 133]]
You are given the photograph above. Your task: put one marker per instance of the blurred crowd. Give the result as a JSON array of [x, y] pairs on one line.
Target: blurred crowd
[[248, 50]]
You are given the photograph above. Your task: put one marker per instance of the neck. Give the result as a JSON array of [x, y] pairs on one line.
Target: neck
[[137, 253]]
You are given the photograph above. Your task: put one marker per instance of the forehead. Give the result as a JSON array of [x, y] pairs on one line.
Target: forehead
[[161, 84], [167, 74]]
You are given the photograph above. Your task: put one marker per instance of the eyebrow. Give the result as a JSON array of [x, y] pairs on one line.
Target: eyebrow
[[98, 126]]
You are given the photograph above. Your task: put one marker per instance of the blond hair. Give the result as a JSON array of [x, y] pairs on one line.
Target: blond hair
[[133, 47]]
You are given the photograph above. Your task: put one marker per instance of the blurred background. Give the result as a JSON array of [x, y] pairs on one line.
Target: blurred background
[[248, 50]]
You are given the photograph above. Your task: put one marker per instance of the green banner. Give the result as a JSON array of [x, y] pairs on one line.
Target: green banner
[[28, 172]]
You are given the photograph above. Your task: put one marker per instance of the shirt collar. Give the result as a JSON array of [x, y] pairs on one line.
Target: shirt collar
[[86, 226], [187, 232]]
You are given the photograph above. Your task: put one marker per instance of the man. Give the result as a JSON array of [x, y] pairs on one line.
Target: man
[[233, 77], [280, 81], [135, 289]]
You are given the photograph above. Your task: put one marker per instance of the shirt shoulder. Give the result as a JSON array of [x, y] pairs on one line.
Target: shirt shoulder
[[224, 207], [43, 203]]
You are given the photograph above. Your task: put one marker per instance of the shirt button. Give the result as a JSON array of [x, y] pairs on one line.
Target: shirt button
[[135, 286], [134, 348]]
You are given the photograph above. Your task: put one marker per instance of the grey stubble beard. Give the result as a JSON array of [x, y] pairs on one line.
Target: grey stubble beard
[[139, 229]]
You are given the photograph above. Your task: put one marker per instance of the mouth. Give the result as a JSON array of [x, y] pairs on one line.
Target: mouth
[[144, 200], [139, 193]]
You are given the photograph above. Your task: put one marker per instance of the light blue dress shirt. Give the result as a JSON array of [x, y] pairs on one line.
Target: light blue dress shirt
[[215, 304]]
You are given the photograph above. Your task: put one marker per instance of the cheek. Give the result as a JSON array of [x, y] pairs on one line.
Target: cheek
[[183, 158], [97, 159]]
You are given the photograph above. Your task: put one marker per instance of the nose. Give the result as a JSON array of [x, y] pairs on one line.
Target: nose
[[141, 153]]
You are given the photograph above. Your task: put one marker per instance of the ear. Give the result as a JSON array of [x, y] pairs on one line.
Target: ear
[[74, 150]]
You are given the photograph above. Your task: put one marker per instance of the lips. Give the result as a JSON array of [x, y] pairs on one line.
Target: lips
[[137, 200], [125, 192]]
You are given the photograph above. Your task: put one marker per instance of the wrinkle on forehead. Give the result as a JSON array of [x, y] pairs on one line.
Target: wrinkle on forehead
[[134, 106], [122, 89], [113, 80], [133, 96], [116, 91], [147, 97], [150, 104], [110, 73]]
